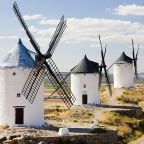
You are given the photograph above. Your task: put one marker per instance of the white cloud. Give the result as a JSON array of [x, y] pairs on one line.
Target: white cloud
[[34, 17], [8, 37], [82, 34], [49, 22], [130, 10], [86, 30]]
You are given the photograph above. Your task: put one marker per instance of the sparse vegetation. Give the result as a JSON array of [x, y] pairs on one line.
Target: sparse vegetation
[[4, 126], [141, 125], [136, 134], [132, 96], [128, 127], [75, 120]]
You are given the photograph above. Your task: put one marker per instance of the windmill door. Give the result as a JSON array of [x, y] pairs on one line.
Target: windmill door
[[84, 99], [19, 115]]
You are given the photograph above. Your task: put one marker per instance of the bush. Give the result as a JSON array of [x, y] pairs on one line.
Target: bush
[[90, 114], [141, 125], [98, 130], [133, 136], [75, 120], [4, 126]]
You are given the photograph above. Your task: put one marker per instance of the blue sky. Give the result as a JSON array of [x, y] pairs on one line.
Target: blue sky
[[117, 21]]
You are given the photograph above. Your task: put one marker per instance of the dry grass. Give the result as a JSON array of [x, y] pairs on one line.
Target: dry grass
[[54, 103], [128, 127], [104, 94], [82, 116], [49, 91], [74, 115], [133, 95], [4, 126]]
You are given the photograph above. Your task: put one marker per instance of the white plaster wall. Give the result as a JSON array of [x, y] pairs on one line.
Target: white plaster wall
[[92, 90], [123, 75], [10, 85]]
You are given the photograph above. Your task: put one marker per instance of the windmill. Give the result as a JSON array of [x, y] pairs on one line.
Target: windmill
[[86, 79], [135, 56], [45, 65], [123, 72], [103, 66]]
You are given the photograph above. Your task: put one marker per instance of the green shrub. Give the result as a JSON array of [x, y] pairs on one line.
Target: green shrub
[[75, 120], [90, 114], [133, 136], [141, 125]]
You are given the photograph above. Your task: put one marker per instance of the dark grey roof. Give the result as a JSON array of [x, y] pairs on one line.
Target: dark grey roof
[[86, 66], [124, 59]]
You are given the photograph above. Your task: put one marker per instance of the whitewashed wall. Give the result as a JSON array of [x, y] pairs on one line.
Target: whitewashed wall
[[123, 75], [92, 90], [10, 85]]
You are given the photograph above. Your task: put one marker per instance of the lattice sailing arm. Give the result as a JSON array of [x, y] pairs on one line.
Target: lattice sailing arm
[[20, 18], [58, 83], [56, 37]]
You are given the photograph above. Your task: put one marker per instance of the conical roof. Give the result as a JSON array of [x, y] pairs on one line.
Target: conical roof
[[18, 57], [123, 59], [86, 66]]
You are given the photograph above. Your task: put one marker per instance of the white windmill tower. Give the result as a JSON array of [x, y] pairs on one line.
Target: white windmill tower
[[15, 110], [86, 80], [123, 70]]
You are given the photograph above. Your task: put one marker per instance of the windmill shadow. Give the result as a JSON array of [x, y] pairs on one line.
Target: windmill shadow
[[80, 130], [117, 106]]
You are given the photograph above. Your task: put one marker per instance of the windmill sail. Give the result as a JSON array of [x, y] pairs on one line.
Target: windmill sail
[[47, 97], [43, 67], [20, 18], [135, 56], [103, 66], [59, 84], [56, 37], [33, 82], [100, 73]]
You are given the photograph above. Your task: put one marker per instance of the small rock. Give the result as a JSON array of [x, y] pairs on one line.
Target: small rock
[[9, 142], [32, 141], [2, 138], [41, 142], [63, 132], [11, 137], [19, 140]]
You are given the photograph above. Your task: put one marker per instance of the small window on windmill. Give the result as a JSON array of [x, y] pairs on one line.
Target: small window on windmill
[[84, 86], [18, 95], [13, 73]]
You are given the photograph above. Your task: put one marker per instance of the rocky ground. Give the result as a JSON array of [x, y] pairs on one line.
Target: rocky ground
[[23, 135]]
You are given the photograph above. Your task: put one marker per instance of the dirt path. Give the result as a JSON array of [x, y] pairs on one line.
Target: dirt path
[[116, 92], [112, 101]]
